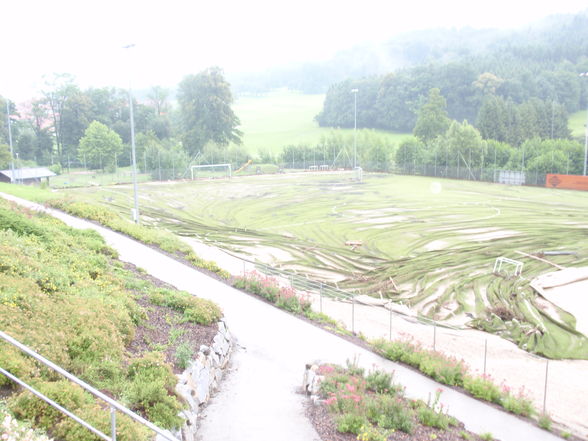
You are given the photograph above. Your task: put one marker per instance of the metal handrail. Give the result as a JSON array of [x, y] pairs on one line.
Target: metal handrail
[[114, 405]]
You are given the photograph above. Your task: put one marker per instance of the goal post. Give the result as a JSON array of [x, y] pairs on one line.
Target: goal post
[[195, 169]]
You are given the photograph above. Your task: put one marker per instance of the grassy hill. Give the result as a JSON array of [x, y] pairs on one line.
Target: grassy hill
[[274, 120]]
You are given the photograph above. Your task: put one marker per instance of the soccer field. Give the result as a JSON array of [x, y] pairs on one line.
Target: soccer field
[[428, 243]]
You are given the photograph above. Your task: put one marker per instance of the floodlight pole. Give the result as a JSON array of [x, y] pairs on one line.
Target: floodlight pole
[[133, 155], [585, 74], [354, 92], [12, 177]]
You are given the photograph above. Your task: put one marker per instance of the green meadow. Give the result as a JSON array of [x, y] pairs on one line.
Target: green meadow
[[577, 123], [272, 121]]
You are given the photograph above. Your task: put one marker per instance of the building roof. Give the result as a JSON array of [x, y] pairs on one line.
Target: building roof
[[28, 173]]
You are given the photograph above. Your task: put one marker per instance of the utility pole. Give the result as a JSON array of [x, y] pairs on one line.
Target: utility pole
[[354, 92], [134, 165], [12, 177], [585, 74]]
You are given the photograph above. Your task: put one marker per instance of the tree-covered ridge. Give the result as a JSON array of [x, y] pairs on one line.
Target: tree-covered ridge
[[538, 64]]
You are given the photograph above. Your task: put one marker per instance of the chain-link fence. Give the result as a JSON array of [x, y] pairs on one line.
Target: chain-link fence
[[528, 177], [545, 382]]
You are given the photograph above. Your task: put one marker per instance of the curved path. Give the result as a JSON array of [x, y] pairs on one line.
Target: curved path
[[258, 399]]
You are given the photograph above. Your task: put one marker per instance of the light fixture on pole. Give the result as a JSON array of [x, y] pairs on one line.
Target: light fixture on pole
[[354, 92], [12, 177], [133, 155], [585, 74]]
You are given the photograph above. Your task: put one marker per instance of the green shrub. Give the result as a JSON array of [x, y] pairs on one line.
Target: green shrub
[[518, 404], [370, 433], [351, 423], [151, 390], [482, 388], [184, 353], [20, 224], [432, 414], [394, 414], [194, 309], [27, 406], [545, 421], [380, 382], [56, 168], [487, 436]]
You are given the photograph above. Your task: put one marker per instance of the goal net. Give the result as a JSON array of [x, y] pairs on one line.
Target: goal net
[[211, 171]]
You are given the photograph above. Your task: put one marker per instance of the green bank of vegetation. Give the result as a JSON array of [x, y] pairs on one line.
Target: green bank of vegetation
[[64, 294]]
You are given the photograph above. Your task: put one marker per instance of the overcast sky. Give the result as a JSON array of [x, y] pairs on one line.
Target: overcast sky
[[176, 37]]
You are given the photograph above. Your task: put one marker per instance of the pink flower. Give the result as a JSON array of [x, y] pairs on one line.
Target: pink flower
[[350, 387], [326, 369]]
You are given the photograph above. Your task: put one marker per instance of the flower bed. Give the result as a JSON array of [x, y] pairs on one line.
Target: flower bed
[[373, 408]]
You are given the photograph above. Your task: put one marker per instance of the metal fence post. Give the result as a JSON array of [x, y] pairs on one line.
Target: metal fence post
[[545, 388], [321, 297], [435, 336], [113, 423], [244, 271], [485, 354], [353, 315], [390, 321]]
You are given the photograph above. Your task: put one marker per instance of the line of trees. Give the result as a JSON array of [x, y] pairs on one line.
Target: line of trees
[[92, 127], [499, 144]]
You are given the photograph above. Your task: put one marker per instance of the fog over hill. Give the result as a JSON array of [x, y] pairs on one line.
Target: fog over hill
[[561, 33]]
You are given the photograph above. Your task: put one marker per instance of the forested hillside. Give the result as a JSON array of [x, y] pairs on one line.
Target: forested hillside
[[532, 72]]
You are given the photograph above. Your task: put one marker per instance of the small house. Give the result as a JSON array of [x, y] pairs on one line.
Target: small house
[[29, 175]]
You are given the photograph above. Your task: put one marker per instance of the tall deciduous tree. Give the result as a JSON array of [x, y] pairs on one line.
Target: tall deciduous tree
[[58, 89], [205, 104], [100, 146], [432, 118]]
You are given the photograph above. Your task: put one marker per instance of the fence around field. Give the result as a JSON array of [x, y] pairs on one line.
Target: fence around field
[[546, 382], [82, 177]]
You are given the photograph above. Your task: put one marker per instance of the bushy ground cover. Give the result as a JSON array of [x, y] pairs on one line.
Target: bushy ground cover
[[64, 294], [373, 408], [13, 430], [453, 372]]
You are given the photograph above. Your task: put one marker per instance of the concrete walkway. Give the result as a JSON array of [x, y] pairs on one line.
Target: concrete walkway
[[258, 402]]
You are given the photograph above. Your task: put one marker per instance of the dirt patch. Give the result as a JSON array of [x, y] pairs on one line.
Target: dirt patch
[[436, 245], [162, 330]]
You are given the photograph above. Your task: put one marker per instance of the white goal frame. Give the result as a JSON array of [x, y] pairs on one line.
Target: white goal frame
[[228, 166], [518, 266]]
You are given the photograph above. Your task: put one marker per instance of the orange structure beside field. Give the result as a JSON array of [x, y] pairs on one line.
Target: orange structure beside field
[[571, 182]]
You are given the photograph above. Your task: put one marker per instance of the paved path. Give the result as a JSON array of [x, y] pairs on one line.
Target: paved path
[[258, 402]]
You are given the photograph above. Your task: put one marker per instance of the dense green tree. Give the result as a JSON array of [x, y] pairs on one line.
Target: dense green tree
[[159, 98], [205, 102], [432, 120], [58, 89], [4, 156], [488, 83], [465, 144], [100, 146], [410, 151]]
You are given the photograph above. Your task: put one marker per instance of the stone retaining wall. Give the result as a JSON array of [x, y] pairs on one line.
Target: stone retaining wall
[[197, 383]]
